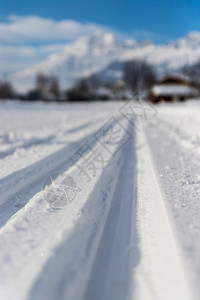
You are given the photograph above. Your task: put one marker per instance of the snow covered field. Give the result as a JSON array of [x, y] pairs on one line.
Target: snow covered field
[[99, 201]]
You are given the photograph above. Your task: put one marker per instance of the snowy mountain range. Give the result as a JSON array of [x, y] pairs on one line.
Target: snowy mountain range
[[104, 53]]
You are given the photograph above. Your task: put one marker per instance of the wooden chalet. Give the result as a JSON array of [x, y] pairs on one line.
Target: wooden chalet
[[172, 88]]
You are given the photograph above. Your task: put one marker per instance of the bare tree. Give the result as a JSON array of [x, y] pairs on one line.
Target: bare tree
[[139, 76], [54, 87], [192, 73], [42, 83], [6, 90], [47, 87], [84, 89], [79, 92]]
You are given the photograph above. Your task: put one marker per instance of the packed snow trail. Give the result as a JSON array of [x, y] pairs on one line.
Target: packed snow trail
[[128, 230], [114, 261], [161, 273]]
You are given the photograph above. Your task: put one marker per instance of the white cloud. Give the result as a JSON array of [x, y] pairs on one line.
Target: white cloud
[[30, 29], [16, 58], [26, 40]]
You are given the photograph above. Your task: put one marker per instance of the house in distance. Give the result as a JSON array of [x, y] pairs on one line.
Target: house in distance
[[172, 88]]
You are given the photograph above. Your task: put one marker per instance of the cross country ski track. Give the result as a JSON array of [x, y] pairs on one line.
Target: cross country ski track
[[128, 232]]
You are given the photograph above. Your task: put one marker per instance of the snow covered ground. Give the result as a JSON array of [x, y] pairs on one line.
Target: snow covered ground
[[99, 201]]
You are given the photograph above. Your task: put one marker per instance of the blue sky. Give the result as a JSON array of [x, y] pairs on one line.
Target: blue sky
[[157, 19], [32, 30]]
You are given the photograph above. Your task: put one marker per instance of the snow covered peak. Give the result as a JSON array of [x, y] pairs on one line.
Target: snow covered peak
[[193, 37], [100, 38], [107, 39], [82, 58], [129, 42], [95, 53], [191, 40]]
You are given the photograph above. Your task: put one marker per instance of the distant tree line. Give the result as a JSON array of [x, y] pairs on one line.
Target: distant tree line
[[138, 77], [86, 90], [192, 72], [6, 90], [47, 88]]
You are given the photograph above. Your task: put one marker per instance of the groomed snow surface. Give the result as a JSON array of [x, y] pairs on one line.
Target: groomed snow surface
[[99, 201]]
